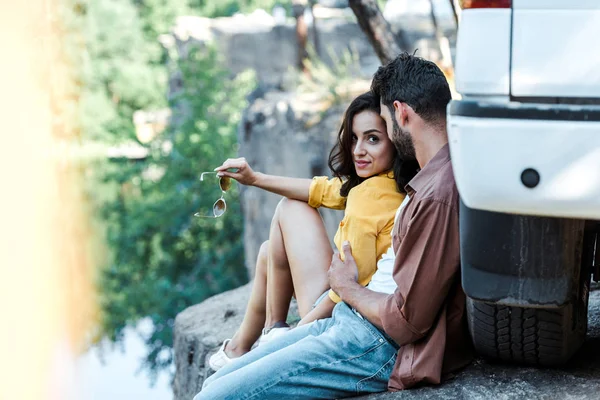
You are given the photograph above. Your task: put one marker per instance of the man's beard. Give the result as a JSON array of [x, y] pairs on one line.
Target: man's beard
[[403, 142]]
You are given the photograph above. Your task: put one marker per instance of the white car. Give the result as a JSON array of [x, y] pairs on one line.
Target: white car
[[525, 147]]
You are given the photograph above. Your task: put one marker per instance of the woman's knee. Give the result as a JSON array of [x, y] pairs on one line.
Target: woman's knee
[[289, 207], [286, 204], [263, 251], [262, 259]]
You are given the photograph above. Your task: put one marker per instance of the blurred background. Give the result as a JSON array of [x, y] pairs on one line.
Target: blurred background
[[113, 108]]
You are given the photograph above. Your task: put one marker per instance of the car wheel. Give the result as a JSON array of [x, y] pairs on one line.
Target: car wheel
[[535, 336]]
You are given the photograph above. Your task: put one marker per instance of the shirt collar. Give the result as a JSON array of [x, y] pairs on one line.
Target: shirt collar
[[429, 170]]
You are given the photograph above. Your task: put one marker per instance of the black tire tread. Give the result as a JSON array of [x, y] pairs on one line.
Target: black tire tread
[[526, 335]]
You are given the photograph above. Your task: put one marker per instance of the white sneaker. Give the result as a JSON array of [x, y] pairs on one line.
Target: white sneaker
[[220, 358], [269, 334]]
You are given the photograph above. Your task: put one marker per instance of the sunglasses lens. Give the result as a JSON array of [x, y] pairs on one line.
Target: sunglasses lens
[[219, 208], [210, 191], [225, 183]]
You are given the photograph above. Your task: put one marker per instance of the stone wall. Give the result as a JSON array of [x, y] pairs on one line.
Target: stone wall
[[256, 42], [199, 330]]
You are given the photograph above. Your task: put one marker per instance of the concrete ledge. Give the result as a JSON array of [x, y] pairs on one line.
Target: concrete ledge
[[201, 328]]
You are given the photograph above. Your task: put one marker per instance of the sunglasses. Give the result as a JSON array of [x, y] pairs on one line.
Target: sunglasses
[[220, 206]]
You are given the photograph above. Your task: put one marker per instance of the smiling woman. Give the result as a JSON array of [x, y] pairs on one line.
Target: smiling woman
[[368, 185], [373, 152]]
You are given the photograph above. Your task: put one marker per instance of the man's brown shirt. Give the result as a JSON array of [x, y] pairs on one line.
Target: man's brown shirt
[[426, 314]]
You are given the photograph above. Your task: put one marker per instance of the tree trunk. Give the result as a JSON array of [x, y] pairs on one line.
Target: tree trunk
[[298, 7], [377, 29], [443, 42], [314, 29], [454, 13]]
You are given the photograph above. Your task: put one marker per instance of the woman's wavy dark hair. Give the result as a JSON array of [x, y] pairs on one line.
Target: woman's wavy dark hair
[[341, 161]]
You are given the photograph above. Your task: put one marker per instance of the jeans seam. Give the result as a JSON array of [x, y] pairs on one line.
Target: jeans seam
[[300, 371], [359, 383], [368, 325]]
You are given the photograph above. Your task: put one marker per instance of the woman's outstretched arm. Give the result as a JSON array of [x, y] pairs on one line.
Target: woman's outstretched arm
[[292, 188]]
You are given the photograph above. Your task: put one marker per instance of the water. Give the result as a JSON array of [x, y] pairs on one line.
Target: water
[[114, 374]]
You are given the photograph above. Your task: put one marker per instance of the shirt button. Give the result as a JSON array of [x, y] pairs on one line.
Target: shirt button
[[380, 340]]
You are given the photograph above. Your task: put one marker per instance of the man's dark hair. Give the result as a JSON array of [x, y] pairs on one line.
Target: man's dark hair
[[414, 81]]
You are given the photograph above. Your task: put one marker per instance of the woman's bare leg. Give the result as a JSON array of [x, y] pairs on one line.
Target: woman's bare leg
[[297, 230], [254, 319], [299, 257]]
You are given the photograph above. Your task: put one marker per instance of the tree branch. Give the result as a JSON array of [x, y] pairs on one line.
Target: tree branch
[[377, 29], [454, 13]]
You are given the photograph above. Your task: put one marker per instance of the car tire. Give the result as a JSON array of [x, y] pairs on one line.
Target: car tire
[[534, 336]]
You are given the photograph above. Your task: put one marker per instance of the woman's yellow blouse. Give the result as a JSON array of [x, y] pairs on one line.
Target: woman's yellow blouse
[[370, 209]]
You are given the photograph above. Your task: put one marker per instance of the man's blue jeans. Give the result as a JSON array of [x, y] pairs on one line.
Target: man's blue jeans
[[341, 356]]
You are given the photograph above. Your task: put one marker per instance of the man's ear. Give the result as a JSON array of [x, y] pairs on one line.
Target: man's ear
[[400, 112]]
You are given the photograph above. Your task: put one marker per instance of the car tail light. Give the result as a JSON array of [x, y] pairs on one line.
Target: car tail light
[[465, 4]]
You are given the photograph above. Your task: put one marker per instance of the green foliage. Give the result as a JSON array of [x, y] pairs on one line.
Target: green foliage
[[123, 66], [224, 8], [119, 70], [159, 258], [164, 258], [158, 16]]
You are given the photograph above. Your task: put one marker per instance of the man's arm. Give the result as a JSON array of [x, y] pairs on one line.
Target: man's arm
[[426, 266], [343, 277]]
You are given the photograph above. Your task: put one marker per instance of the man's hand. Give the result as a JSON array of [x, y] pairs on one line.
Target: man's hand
[[343, 274]]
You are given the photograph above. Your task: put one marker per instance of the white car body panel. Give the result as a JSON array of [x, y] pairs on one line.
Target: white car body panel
[[483, 52], [556, 53], [535, 54], [489, 155]]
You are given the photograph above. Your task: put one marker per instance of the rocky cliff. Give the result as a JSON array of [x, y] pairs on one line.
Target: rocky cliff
[[266, 46], [269, 46]]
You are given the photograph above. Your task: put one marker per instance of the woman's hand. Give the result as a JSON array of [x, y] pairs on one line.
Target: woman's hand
[[243, 174], [323, 310]]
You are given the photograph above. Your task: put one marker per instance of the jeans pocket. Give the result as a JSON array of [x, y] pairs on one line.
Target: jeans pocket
[[382, 370]]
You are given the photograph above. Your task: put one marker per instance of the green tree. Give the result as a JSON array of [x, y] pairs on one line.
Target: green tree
[[159, 258], [165, 259], [224, 8], [119, 71], [158, 16]]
